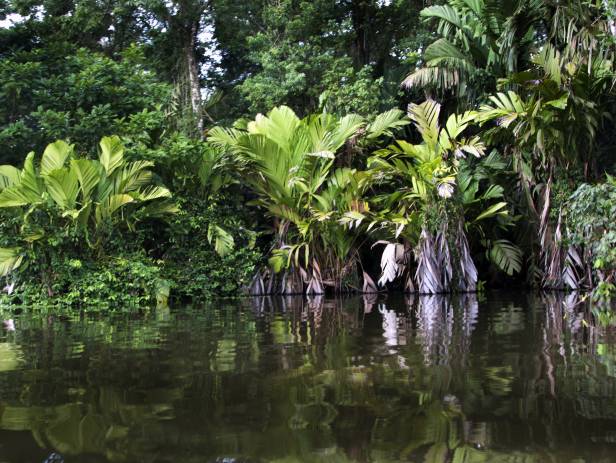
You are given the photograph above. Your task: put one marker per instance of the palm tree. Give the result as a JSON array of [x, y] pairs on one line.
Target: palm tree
[[479, 41], [550, 127], [90, 198], [291, 165], [431, 208]]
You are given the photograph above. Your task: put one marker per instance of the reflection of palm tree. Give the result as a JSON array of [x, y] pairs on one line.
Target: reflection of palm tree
[[8, 325], [390, 326], [432, 327], [563, 317], [444, 329], [470, 312], [394, 332], [369, 300], [54, 458], [221, 388]]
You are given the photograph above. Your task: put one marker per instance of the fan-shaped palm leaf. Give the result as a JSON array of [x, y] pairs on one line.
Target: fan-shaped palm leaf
[[63, 187], [132, 176], [506, 256], [10, 259], [55, 156], [9, 176], [29, 189], [111, 154], [89, 174], [221, 239], [425, 116], [385, 124]]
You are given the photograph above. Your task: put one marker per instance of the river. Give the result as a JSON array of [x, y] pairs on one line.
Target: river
[[501, 377]]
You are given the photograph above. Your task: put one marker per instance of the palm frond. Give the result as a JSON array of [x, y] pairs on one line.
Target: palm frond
[[10, 259], [63, 187], [386, 123], [221, 239], [433, 76], [443, 12], [444, 53], [88, 173], [393, 262], [132, 176], [279, 126], [9, 176], [506, 256], [110, 205], [425, 116], [29, 189], [153, 192], [112, 153], [55, 156]]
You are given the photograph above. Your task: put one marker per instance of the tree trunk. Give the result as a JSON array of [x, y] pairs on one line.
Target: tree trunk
[[360, 16], [192, 74]]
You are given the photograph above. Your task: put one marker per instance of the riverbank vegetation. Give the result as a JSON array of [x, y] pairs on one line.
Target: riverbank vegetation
[[192, 149]]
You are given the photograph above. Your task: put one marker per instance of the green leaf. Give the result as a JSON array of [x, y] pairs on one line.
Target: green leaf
[[279, 126], [159, 209], [221, 239], [425, 116], [133, 176], [63, 187], [493, 210], [443, 52], [88, 173], [153, 192], [9, 176], [10, 259], [54, 156], [30, 182], [110, 205], [493, 192], [83, 215], [33, 235], [457, 123], [285, 212], [15, 197], [506, 256], [342, 131], [112, 153], [29, 190], [386, 123], [443, 12], [560, 103], [277, 262]]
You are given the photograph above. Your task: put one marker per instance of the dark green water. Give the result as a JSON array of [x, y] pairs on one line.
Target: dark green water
[[509, 378]]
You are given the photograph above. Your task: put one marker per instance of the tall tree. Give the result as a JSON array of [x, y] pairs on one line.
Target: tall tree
[[175, 28], [347, 54], [478, 42]]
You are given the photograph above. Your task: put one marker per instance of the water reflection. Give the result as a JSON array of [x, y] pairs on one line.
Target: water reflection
[[427, 379]]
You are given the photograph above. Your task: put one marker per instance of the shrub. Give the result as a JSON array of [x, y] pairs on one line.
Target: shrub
[[589, 216], [196, 269], [109, 283]]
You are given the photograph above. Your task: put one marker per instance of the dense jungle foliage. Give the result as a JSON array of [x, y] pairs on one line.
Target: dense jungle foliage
[[197, 148]]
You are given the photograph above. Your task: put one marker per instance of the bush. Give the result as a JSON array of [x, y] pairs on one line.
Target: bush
[[589, 217], [68, 234], [129, 280], [196, 269]]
